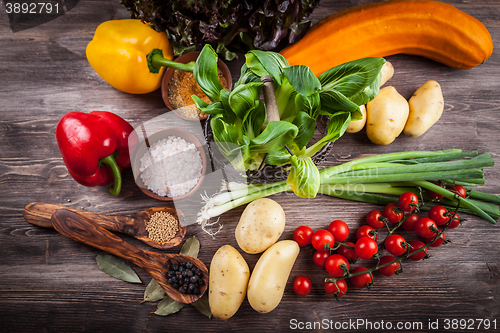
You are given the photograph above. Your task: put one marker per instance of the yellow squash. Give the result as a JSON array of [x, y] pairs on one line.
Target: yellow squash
[[432, 29]]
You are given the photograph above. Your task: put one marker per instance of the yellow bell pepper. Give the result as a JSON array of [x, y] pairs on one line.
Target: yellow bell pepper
[[119, 54]]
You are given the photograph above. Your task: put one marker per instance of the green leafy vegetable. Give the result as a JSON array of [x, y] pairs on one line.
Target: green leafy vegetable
[[117, 268], [304, 177], [245, 135], [228, 25]]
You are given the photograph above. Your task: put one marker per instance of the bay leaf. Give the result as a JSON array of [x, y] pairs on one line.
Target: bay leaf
[[203, 306], [168, 306], [117, 268], [191, 247], [154, 292]]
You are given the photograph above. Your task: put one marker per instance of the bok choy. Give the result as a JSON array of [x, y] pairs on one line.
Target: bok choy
[[245, 135]]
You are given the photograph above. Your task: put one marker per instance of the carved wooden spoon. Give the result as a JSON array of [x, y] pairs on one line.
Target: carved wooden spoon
[[39, 214], [81, 229]]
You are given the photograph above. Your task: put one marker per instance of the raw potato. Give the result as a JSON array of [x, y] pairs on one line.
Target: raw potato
[[426, 107], [357, 125], [269, 277], [229, 274], [260, 226], [387, 72], [386, 116]]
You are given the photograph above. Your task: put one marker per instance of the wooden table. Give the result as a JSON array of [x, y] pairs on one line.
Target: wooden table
[[49, 283]]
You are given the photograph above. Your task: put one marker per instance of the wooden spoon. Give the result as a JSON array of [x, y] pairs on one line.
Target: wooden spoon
[[81, 229], [39, 214]]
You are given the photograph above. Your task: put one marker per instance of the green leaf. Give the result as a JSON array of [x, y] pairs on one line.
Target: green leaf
[[279, 157], [154, 292], [306, 125], [333, 101], [213, 109], [117, 268], [302, 79], [244, 98], [203, 306], [205, 73], [274, 137], [191, 247], [310, 104], [304, 178], [246, 76], [368, 93], [266, 63], [168, 306], [252, 125], [352, 77]]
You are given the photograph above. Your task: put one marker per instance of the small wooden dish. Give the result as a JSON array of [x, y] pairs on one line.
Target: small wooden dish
[[162, 134], [186, 58]]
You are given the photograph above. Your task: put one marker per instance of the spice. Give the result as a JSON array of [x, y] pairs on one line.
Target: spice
[[171, 167], [162, 227], [185, 277], [182, 86]]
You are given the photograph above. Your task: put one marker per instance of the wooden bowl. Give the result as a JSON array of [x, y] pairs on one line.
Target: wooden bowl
[[186, 58], [142, 148]]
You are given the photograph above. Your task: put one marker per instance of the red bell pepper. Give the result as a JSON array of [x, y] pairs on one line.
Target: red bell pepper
[[94, 147]]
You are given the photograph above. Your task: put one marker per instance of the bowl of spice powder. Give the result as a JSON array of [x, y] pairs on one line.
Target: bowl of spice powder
[[178, 86]]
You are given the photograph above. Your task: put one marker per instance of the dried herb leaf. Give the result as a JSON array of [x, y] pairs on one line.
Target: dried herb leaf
[[203, 306], [117, 268], [191, 247], [168, 306], [154, 292]]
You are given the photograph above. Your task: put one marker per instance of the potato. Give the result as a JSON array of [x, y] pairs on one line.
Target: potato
[[268, 279], [387, 72], [357, 125], [228, 280], [260, 226], [386, 116], [426, 107]]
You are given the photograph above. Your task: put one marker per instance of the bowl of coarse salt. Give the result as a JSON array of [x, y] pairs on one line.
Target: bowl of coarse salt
[[171, 164]]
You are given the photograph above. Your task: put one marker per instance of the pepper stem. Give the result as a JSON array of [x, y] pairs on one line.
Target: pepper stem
[[156, 61], [117, 186]]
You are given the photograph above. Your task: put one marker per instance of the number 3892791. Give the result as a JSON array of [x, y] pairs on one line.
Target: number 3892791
[[31, 8]]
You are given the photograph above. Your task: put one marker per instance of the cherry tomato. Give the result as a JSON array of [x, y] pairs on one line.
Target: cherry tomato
[[334, 264], [423, 227], [319, 258], [409, 222], [302, 285], [373, 219], [362, 280], [408, 202], [434, 195], [391, 214], [321, 239], [460, 190], [339, 230], [396, 245], [349, 254], [366, 231], [438, 242], [302, 235], [415, 245], [455, 222], [439, 215], [331, 288], [389, 269], [366, 247]]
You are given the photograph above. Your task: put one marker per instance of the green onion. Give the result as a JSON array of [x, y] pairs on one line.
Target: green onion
[[380, 179]]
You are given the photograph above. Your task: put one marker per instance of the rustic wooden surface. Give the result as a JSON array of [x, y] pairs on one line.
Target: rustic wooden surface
[[49, 283]]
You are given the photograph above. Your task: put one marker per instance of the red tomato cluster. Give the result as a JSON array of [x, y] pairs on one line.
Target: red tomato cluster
[[336, 255]]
